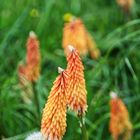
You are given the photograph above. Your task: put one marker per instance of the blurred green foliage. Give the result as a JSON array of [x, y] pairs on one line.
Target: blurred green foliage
[[118, 68]]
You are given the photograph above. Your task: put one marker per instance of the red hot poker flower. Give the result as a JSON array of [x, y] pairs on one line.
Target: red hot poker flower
[[32, 58], [53, 125], [76, 97], [75, 34], [120, 125]]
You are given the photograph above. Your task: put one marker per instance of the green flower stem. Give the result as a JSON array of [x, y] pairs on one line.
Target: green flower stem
[[83, 128], [36, 99]]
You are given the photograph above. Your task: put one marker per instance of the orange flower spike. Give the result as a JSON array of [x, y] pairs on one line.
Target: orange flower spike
[[120, 125], [33, 57], [76, 97], [125, 4], [53, 125], [75, 34]]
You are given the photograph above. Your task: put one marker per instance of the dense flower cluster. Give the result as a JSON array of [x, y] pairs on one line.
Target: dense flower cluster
[[68, 89], [75, 34], [120, 125], [33, 58], [31, 70], [53, 124], [76, 97]]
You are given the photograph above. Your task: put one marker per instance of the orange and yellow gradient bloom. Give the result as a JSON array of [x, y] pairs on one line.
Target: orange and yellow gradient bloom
[[53, 125], [31, 69], [120, 125], [77, 93], [33, 58], [75, 34]]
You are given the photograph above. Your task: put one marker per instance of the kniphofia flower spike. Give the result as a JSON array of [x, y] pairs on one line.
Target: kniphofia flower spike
[[53, 125], [77, 93], [32, 58], [75, 33], [120, 125]]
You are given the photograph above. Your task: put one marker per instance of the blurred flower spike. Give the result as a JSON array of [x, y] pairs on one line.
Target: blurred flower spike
[[75, 33], [34, 12], [120, 125], [125, 4], [53, 125], [31, 70], [32, 58], [76, 97]]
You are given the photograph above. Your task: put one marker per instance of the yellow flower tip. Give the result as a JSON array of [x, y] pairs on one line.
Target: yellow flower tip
[[68, 17], [113, 95], [32, 34], [60, 70]]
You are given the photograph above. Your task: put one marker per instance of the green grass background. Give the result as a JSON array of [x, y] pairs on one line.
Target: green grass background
[[118, 68]]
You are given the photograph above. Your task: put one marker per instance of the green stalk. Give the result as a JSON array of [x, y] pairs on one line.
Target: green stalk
[[83, 128], [36, 100]]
